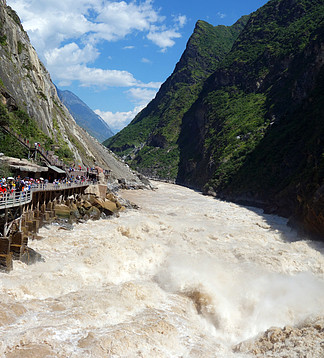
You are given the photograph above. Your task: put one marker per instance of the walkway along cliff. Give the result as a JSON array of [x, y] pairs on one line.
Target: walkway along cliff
[[22, 214]]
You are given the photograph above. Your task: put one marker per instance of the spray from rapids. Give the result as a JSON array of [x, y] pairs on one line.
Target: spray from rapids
[[185, 275]]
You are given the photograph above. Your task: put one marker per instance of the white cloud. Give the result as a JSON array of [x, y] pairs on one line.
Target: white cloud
[[59, 29], [181, 20], [50, 22], [145, 60], [118, 120], [155, 85], [89, 76], [163, 39], [121, 18], [221, 15], [71, 62], [141, 96], [71, 54]]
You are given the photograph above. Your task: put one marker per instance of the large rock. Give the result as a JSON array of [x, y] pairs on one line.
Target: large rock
[[62, 211], [107, 206], [30, 256], [94, 213]]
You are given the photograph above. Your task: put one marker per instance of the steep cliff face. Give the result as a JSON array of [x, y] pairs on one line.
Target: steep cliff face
[[23, 76], [260, 117], [150, 141], [28, 96]]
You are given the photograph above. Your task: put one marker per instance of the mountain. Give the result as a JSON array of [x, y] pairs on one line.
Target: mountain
[[31, 108], [150, 141], [85, 116], [255, 131]]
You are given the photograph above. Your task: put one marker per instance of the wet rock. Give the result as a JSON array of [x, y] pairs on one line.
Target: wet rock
[[30, 256], [87, 205], [94, 213], [66, 226], [62, 211], [103, 216], [75, 214]]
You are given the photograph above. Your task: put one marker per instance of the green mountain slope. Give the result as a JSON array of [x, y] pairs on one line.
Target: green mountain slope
[[260, 119], [251, 131], [150, 140]]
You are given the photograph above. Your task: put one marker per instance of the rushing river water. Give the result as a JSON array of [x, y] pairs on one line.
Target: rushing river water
[[183, 276]]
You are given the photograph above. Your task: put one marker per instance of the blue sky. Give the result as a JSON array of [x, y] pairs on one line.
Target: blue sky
[[115, 55]]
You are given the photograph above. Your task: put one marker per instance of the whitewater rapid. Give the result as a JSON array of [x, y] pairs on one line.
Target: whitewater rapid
[[185, 275]]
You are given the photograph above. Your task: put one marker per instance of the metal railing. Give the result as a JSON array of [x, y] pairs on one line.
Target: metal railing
[[58, 186], [10, 200]]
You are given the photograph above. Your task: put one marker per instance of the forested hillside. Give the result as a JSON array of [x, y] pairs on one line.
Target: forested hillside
[[255, 133], [150, 141]]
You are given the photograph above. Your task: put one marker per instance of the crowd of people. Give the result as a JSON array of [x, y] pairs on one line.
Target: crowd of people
[[17, 184]]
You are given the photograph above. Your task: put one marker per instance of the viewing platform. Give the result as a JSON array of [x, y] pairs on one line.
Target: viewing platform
[[22, 213], [11, 200]]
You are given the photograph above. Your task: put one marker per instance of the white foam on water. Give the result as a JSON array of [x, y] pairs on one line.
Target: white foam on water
[[185, 275]]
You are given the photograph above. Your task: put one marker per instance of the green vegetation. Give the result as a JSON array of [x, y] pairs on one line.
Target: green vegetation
[[4, 117], [159, 161], [150, 142], [23, 125], [65, 153], [241, 119], [3, 40], [27, 128], [5, 171], [11, 147], [42, 95], [20, 47]]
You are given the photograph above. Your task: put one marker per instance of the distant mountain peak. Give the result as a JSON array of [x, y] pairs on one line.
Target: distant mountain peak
[[85, 116]]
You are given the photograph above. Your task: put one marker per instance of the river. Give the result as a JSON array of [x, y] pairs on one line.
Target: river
[[185, 275]]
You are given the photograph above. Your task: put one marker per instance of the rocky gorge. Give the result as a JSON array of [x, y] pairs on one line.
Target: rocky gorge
[[252, 130]]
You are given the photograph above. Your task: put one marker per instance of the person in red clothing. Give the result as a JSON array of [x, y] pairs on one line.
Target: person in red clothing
[[3, 190]]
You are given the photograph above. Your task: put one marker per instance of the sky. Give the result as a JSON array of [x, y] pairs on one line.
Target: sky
[[114, 55]]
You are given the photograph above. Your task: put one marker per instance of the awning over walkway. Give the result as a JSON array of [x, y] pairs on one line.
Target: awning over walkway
[[56, 169]]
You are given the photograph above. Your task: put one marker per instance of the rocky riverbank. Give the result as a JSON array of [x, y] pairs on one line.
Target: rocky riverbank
[[90, 207]]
